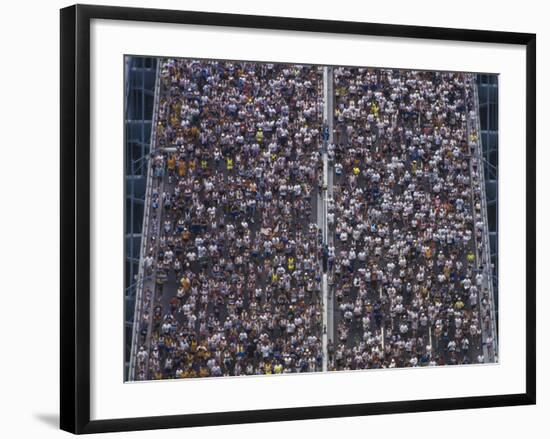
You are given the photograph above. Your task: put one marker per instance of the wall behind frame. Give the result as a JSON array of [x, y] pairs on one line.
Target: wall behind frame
[[29, 187]]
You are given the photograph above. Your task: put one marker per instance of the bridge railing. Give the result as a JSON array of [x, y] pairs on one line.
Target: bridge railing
[[139, 299], [483, 254]]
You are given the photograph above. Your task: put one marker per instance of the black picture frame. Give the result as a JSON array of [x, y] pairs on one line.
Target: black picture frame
[[75, 217]]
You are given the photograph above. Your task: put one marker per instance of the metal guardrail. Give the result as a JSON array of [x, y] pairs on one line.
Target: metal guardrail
[[485, 255], [138, 307]]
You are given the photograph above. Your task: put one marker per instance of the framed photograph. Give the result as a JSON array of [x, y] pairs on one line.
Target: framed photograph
[[273, 218]]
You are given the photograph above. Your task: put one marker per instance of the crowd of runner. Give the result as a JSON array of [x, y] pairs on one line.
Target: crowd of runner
[[237, 255], [403, 264], [236, 260]]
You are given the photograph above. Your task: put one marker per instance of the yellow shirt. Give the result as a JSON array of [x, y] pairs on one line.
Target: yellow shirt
[[181, 168], [171, 162], [291, 263]]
